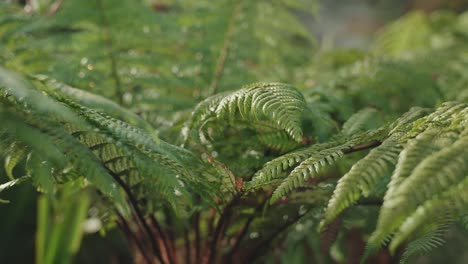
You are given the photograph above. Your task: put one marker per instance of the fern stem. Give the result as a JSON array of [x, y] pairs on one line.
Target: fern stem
[[110, 51], [219, 231], [365, 146], [197, 238], [245, 228], [164, 238], [218, 73], [134, 204], [125, 227], [188, 252]]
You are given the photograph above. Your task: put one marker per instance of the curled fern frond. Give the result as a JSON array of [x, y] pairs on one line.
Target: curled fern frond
[[277, 140], [16, 153], [9, 184], [281, 105]]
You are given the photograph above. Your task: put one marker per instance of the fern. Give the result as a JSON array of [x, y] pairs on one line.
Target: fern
[[425, 243], [363, 176], [280, 106], [16, 154], [142, 118], [432, 158]]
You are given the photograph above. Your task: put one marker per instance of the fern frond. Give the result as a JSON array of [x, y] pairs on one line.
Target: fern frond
[[363, 177], [454, 200], [278, 140], [275, 169], [371, 249], [9, 184], [357, 122], [307, 169], [425, 244], [415, 151], [97, 103], [279, 104], [446, 167], [16, 153]]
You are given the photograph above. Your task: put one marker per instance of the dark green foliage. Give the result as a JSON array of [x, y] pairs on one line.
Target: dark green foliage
[[163, 138]]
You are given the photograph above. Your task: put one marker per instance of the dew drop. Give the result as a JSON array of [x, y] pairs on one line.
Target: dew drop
[[254, 235], [84, 61], [127, 98], [92, 225], [299, 227], [81, 74], [182, 184]]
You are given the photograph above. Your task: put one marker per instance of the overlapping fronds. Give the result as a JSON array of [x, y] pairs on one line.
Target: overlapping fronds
[[425, 244], [306, 163], [81, 141], [430, 153], [364, 176], [172, 69]]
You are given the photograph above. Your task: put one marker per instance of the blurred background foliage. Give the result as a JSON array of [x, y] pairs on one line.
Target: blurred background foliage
[[160, 58]]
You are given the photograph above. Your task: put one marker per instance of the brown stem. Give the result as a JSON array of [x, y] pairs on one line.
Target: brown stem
[[219, 231], [188, 253], [164, 240], [356, 148], [244, 229], [197, 238], [134, 204], [125, 227], [211, 220]]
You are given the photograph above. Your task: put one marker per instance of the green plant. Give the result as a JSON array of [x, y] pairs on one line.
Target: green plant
[[158, 142]]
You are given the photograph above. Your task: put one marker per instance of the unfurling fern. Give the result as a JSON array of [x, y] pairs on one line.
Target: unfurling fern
[[268, 106]]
